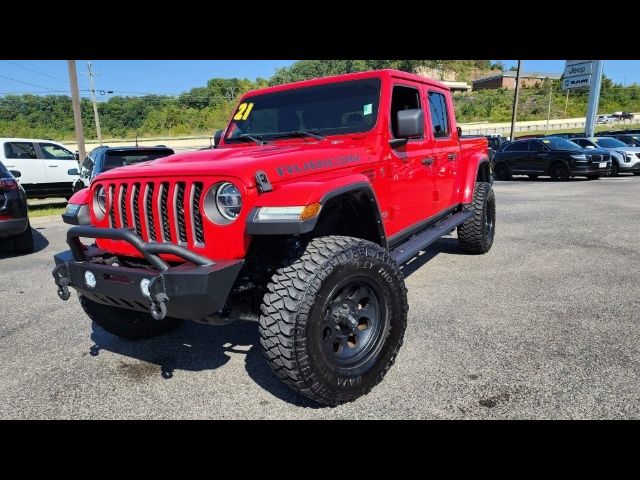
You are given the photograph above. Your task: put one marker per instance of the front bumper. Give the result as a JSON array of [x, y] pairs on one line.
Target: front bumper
[[629, 167], [578, 171], [190, 291], [13, 227]]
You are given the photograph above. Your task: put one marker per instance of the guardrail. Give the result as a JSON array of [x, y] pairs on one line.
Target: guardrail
[[538, 128]]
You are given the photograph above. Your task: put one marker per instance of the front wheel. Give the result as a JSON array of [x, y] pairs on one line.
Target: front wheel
[[503, 172], [333, 318], [559, 172], [476, 234], [614, 169]]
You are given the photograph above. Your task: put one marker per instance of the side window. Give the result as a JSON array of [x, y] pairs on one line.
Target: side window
[[517, 147], [403, 98], [19, 150], [536, 145], [582, 143], [56, 152], [439, 115]]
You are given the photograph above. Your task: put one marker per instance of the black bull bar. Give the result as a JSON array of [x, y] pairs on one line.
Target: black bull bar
[[192, 290]]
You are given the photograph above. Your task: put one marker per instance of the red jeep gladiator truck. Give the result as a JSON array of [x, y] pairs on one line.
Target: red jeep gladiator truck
[[299, 219]]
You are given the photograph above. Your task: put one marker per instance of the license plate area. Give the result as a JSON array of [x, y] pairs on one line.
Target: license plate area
[[603, 164]]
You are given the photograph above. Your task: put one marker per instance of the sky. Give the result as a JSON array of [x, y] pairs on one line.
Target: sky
[[172, 77]]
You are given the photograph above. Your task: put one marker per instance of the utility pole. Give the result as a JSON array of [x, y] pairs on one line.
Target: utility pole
[[594, 97], [514, 112], [77, 113], [566, 104], [549, 107], [95, 105]]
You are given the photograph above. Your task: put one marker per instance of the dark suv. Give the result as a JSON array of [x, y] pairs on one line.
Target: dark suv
[[104, 158], [552, 156], [14, 219]]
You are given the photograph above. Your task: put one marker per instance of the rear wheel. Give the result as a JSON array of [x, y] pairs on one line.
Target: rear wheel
[[23, 243], [476, 234], [559, 172], [127, 323], [503, 172]]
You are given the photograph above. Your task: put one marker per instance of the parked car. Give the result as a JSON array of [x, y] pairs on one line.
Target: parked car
[[299, 220], [14, 218], [624, 159], [555, 157], [630, 140], [623, 116], [47, 168], [104, 158], [606, 119]]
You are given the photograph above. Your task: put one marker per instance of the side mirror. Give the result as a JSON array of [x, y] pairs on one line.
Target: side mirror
[[15, 173], [410, 123], [217, 137], [73, 172]]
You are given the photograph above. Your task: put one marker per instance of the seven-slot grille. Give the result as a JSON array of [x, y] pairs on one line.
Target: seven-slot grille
[[159, 211]]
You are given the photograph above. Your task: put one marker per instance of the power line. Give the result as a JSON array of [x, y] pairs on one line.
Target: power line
[[27, 83], [36, 71]]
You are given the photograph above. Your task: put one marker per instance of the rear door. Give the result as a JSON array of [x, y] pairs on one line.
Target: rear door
[[539, 156], [21, 156], [57, 163], [517, 154], [444, 144]]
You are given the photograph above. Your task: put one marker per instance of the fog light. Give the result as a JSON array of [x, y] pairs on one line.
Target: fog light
[[90, 279], [144, 287]]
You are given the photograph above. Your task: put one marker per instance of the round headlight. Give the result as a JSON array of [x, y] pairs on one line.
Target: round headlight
[[100, 202], [228, 200]]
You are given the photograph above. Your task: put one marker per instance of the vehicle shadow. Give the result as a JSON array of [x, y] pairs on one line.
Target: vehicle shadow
[[444, 245], [196, 347], [40, 242]]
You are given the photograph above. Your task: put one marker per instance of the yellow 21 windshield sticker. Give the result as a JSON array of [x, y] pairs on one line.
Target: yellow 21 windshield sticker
[[244, 109]]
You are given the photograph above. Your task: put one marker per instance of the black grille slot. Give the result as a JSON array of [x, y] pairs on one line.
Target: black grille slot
[[197, 217], [164, 215], [136, 208], [112, 206], [123, 206], [182, 229], [148, 203]]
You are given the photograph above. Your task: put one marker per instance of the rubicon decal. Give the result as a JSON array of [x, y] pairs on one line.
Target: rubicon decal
[[317, 164]]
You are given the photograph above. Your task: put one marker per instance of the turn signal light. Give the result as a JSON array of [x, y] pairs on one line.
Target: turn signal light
[[310, 211]]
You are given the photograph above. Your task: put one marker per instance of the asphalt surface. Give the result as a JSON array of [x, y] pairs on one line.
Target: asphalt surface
[[546, 325]]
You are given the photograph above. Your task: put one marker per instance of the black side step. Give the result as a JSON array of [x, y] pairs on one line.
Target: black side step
[[426, 237]]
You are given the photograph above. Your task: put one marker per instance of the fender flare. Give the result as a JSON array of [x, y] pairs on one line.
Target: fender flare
[[297, 227], [471, 175]]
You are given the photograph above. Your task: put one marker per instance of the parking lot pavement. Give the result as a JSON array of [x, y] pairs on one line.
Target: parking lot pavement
[[544, 326]]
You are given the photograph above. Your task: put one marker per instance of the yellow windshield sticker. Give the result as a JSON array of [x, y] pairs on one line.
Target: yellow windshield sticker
[[546, 141], [595, 140], [244, 109]]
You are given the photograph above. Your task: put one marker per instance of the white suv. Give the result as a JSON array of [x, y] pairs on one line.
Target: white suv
[[47, 169]]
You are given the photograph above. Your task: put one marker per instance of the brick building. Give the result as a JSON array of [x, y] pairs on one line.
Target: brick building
[[508, 80]]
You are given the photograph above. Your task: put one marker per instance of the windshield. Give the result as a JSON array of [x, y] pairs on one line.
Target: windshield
[[337, 108], [122, 158], [608, 142], [557, 143]]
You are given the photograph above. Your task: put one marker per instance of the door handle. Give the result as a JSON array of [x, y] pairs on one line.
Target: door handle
[[451, 156], [427, 161]]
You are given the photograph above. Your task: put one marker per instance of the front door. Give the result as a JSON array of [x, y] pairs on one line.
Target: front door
[[57, 163], [411, 168], [21, 156]]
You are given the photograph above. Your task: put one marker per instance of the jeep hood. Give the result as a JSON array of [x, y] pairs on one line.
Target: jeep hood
[[279, 162]]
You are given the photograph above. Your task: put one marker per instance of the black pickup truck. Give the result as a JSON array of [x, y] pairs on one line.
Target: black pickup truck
[[555, 157]]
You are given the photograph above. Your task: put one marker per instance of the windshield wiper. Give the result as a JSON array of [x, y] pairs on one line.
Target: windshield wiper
[[246, 136], [300, 133]]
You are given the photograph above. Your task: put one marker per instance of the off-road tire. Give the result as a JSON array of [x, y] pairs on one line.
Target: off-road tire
[[502, 171], [294, 312], [476, 234], [23, 243], [127, 323]]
